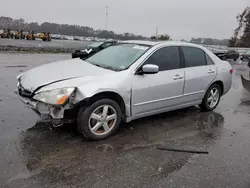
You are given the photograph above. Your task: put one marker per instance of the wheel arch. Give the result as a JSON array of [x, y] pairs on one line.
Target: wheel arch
[[109, 95], [218, 82]]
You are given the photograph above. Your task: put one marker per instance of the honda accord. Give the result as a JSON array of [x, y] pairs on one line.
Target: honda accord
[[124, 82]]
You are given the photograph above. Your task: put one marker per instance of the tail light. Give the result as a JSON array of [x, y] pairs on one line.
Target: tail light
[[231, 71]]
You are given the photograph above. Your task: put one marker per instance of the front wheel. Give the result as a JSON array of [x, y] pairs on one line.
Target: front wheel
[[211, 98], [99, 120]]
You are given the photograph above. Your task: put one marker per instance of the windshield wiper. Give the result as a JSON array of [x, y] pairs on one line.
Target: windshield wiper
[[96, 64], [106, 67]]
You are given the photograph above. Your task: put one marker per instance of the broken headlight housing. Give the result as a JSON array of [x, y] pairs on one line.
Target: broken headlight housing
[[55, 97]]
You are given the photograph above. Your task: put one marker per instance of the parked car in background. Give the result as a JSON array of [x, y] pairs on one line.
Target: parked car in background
[[124, 82], [69, 37], [77, 38], [245, 56], [55, 36], [228, 54], [92, 49]]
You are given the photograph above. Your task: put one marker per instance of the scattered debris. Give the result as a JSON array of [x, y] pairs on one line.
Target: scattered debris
[[182, 150], [15, 66], [160, 169]]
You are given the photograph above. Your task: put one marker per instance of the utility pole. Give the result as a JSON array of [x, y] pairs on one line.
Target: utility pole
[[156, 32], [106, 19]]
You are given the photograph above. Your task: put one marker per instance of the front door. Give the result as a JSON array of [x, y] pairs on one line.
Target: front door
[[152, 93]]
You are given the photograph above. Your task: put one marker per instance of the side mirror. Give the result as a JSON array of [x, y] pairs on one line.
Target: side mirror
[[150, 69]]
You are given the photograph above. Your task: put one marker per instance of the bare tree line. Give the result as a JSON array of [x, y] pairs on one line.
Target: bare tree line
[[63, 29]]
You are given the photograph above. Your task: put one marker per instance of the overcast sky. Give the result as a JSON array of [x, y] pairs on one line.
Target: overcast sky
[[179, 18]]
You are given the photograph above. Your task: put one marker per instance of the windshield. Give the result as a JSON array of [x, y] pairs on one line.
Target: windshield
[[118, 57], [95, 45]]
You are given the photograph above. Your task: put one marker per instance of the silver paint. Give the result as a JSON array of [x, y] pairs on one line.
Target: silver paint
[[143, 95]]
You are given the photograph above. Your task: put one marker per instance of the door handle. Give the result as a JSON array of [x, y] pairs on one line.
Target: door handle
[[210, 71], [177, 77]]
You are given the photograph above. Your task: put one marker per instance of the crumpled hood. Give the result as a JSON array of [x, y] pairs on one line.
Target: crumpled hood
[[59, 71]]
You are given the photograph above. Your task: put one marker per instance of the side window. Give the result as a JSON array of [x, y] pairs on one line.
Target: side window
[[193, 56], [166, 58], [209, 60]]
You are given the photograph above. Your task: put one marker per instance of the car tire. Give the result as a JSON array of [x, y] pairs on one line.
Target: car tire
[[235, 59], [210, 102], [94, 115]]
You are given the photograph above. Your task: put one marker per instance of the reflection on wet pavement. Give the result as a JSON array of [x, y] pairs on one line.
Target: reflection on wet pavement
[[61, 153]]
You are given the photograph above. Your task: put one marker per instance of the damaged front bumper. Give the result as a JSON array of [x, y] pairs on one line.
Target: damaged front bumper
[[31, 104], [57, 115]]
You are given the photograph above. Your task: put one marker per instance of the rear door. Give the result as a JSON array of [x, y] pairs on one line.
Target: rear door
[[199, 70]]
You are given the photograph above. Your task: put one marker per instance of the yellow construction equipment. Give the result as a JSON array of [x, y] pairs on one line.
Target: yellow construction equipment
[[19, 34], [31, 36], [6, 34]]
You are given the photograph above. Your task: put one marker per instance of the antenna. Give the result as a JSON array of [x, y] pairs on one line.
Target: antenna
[[106, 19]]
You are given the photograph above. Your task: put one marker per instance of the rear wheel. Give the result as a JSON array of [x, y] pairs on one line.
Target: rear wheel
[[99, 120], [211, 98]]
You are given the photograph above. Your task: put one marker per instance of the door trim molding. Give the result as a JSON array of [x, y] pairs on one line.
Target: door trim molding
[[158, 100], [163, 110], [169, 98], [193, 93]]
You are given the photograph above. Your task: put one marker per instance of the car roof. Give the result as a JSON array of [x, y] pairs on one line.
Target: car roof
[[153, 43], [143, 42]]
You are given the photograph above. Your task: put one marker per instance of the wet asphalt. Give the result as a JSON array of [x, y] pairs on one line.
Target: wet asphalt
[[32, 154]]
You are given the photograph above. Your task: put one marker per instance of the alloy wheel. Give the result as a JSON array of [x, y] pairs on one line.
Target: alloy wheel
[[102, 120], [213, 97]]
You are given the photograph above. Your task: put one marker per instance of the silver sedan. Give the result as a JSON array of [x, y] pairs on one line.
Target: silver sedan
[[124, 82]]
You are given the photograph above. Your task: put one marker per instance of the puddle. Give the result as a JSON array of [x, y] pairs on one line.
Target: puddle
[[44, 148]]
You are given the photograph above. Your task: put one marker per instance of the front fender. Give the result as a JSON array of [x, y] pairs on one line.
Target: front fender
[[86, 92]]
